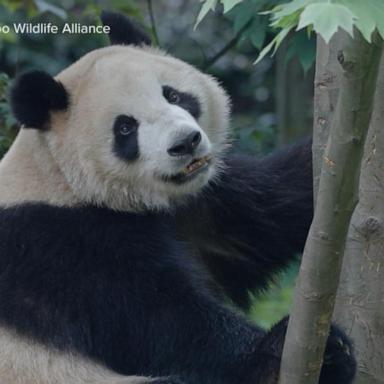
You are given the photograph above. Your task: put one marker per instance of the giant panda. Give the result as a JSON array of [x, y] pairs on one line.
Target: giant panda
[[127, 226]]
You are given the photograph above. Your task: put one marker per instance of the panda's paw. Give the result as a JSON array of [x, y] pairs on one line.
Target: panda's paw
[[339, 361], [339, 365]]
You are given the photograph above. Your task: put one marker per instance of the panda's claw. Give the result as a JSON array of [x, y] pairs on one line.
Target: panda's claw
[[344, 346]]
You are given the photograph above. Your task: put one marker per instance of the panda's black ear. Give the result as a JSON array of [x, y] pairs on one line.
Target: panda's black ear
[[35, 94], [123, 30]]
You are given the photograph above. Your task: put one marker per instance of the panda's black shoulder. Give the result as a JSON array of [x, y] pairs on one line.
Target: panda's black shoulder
[[49, 217], [58, 237], [44, 230]]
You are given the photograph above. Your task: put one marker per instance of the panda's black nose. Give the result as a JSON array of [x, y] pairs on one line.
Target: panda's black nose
[[186, 145]]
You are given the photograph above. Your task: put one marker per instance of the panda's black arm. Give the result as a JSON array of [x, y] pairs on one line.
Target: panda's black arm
[[254, 220]]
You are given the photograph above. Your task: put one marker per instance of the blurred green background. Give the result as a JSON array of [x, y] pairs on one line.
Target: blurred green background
[[272, 102]]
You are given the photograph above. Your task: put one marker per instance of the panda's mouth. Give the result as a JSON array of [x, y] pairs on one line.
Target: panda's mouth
[[193, 169]]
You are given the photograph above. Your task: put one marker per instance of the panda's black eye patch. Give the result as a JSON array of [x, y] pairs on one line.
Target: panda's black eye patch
[[125, 131], [184, 100]]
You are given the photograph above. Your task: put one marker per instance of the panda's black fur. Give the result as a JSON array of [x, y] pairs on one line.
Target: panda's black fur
[[142, 293], [34, 95], [258, 215], [123, 30]]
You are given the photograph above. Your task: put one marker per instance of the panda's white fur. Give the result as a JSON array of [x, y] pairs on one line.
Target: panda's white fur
[[25, 362], [29, 159], [69, 164]]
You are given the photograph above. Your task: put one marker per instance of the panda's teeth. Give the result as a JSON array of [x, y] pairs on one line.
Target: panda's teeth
[[194, 165], [189, 170]]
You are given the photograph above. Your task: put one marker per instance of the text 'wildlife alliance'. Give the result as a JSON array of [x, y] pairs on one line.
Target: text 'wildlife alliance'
[[49, 28]]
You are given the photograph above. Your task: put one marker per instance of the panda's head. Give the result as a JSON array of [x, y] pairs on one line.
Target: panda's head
[[128, 126]]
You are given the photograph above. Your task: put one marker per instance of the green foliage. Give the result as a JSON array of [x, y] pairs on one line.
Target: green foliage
[[251, 19], [210, 5], [255, 136], [64, 9], [229, 4], [28, 5], [271, 306], [329, 15], [248, 13], [7, 121], [275, 43], [324, 17], [44, 6], [303, 47]]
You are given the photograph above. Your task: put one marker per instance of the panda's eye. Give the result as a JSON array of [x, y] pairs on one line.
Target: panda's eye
[[171, 95], [185, 100], [125, 125], [125, 129], [126, 144], [174, 97]]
